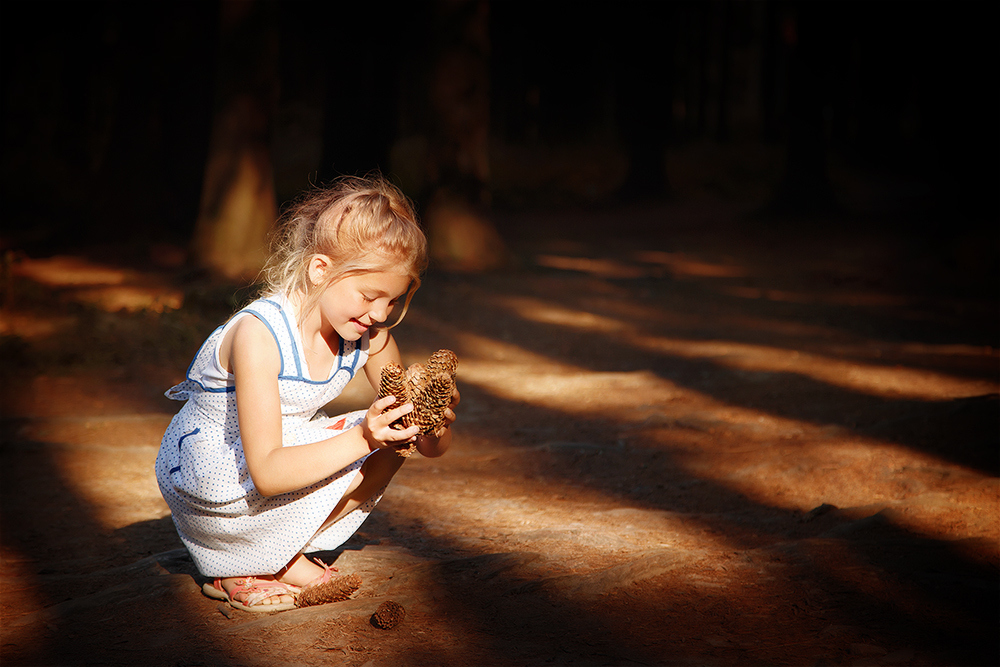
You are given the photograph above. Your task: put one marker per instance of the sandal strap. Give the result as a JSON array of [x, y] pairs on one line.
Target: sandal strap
[[261, 589], [323, 578]]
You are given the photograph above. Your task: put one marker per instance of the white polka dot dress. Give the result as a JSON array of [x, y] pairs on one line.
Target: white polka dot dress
[[228, 527]]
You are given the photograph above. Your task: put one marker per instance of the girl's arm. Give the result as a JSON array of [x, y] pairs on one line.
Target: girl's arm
[[250, 353], [382, 350]]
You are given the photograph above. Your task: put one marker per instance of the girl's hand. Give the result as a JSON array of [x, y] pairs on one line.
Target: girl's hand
[[437, 444], [376, 426]]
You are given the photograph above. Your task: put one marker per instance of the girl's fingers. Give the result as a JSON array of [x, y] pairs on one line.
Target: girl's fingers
[[381, 404], [385, 433], [396, 413]]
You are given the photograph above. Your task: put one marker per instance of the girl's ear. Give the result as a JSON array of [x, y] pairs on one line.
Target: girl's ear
[[319, 269]]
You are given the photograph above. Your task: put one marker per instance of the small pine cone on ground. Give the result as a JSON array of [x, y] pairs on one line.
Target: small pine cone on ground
[[337, 589], [393, 383], [388, 615]]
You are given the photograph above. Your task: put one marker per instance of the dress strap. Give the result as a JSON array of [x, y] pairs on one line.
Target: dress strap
[[276, 318]]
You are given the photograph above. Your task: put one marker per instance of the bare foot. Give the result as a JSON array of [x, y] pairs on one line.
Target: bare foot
[[300, 571]]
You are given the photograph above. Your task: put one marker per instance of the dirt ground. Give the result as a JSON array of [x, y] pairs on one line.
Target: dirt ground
[[687, 437]]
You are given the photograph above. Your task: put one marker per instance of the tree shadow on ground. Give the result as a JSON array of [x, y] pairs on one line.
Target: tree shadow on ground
[[924, 425]]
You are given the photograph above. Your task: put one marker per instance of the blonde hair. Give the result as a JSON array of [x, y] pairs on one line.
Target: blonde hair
[[362, 224]]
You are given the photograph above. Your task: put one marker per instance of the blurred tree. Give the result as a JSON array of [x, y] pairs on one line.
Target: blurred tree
[[804, 32], [458, 123], [644, 93], [238, 200]]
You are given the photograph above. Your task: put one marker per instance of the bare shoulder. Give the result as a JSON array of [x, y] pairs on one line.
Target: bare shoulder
[[381, 345], [379, 340], [381, 350], [248, 338]]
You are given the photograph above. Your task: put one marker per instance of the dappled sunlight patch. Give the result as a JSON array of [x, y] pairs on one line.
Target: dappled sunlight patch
[[683, 265], [642, 264], [533, 514], [131, 298], [63, 271], [107, 288], [107, 462], [856, 298], [602, 268], [872, 379], [589, 394], [875, 379], [544, 312], [780, 462], [785, 464], [33, 326], [471, 346]]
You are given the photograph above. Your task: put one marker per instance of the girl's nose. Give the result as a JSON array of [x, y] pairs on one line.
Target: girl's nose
[[379, 314]]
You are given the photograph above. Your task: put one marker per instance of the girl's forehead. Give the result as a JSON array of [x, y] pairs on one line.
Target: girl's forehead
[[388, 281]]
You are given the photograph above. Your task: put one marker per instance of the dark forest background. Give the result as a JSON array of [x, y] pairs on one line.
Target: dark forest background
[[114, 112]]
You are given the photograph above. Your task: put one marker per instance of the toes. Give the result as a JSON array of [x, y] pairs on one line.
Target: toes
[[277, 599]]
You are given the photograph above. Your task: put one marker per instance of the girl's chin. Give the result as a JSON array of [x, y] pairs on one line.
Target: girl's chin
[[352, 330]]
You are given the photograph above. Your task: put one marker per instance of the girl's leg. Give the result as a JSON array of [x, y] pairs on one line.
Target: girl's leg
[[377, 471]]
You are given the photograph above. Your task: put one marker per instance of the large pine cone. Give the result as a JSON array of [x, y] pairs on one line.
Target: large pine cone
[[393, 383], [443, 361], [337, 589], [431, 400], [429, 387]]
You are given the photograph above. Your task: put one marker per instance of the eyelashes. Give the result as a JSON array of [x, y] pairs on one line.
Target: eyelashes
[[369, 299]]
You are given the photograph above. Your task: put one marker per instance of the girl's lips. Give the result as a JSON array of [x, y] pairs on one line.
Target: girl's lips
[[361, 327]]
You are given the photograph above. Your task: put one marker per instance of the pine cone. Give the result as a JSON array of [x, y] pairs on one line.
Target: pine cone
[[337, 589], [393, 383], [388, 615], [430, 402], [443, 361], [416, 378], [428, 387]]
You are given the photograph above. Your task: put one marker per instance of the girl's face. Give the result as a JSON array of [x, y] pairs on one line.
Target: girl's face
[[353, 304]]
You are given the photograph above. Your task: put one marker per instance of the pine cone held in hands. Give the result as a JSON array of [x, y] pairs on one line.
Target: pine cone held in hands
[[428, 386], [393, 383]]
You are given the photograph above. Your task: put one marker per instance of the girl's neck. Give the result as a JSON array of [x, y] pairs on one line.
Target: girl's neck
[[310, 323]]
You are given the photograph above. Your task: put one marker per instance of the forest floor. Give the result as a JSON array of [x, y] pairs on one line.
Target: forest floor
[[722, 442]]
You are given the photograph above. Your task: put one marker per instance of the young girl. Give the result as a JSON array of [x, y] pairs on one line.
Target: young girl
[[254, 473]]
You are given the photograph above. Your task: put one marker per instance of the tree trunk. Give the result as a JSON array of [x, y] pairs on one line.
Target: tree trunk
[[238, 202], [805, 188], [461, 235]]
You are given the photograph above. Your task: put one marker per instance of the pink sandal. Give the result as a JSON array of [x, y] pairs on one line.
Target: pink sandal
[[257, 590]]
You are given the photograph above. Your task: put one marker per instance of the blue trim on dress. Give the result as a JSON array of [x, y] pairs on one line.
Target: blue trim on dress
[[187, 373], [274, 334], [179, 443], [291, 338], [301, 376], [355, 355], [346, 361]]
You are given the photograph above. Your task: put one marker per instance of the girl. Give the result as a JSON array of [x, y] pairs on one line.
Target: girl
[[254, 473]]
